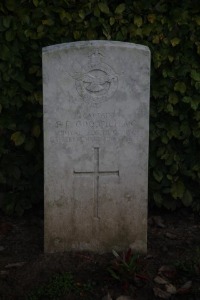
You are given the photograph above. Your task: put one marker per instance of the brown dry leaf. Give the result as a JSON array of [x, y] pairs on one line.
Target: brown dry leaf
[[170, 236], [160, 280], [170, 288], [184, 289], [168, 271], [15, 265], [160, 293]]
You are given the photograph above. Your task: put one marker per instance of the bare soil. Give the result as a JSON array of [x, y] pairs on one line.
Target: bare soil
[[175, 238]]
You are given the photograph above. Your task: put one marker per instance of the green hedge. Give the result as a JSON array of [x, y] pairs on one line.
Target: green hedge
[[170, 29]]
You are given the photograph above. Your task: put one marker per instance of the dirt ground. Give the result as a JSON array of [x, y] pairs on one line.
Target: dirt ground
[[173, 239]]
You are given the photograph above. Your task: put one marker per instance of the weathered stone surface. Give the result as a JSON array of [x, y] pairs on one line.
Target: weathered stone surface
[[96, 128]]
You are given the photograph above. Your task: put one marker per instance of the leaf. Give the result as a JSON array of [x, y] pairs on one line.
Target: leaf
[[81, 14], [10, 4], [36, 2], [170, 236], [195, 103], [115, 253], [76, 34], [107, 297], [173, 132], [104, 8], [169, 108], [170, 288], [40, 28], [138, 21], [156, 39], [180, 87], [5, 53], [113, 274], [169, 177], [187, 198], [195, 75], [175, 41], [65, 16], [164, 139], [187, 99], [112, 21], [161, 294], [197, 86], [6, 21], [18, 138], [158, 175], [15, 265], [177, 189], [173, 98], [33, 69], [96, 12], [184, 289], [197, 19], [10, 35], [161, 6], [48, 22], [160, 280], [171, 58], [36, 131], [151, 18], [168, 271], [120, 8]]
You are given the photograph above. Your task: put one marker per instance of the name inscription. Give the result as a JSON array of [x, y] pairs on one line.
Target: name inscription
[[98, 127]]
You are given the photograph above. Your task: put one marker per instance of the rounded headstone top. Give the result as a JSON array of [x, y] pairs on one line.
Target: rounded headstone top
[[83, 44]]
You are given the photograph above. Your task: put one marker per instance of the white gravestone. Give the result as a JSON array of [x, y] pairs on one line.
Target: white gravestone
[[96, 132]]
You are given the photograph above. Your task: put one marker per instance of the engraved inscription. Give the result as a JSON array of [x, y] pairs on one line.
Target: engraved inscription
[[94, 127], [96, 174], [96, 81]]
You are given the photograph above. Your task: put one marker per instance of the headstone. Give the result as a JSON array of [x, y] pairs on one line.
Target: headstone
[[96, 131]]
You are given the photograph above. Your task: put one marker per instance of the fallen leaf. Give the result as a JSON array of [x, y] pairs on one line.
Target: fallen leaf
[[149, 256], [160, 280], [168, 271], [170, 236], [160, 293], [107, 297], [15, 265], [184, 289], [170, 288]]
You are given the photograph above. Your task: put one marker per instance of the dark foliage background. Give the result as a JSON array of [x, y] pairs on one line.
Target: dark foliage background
[[170, 29]]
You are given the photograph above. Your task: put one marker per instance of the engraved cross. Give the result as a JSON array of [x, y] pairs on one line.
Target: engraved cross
[[96, 174]]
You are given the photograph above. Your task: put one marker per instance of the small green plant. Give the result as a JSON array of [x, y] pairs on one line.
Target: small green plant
[[128, 268], [60, 285]]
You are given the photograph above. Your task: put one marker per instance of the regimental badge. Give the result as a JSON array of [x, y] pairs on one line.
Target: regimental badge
[[95, 81]]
